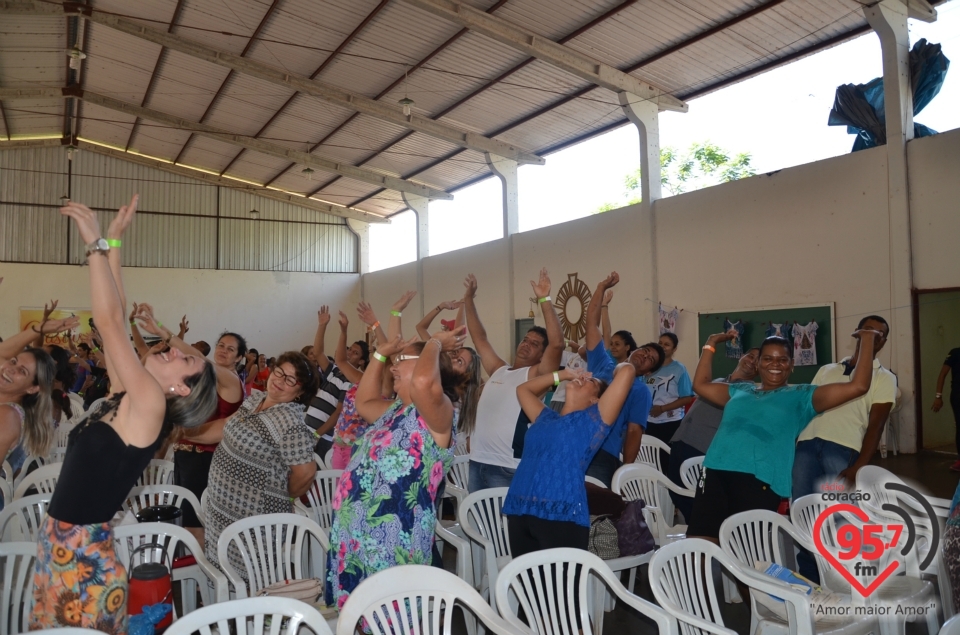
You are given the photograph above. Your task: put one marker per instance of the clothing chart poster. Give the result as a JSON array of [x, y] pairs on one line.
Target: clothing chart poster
[[31, 316], [814, 344]]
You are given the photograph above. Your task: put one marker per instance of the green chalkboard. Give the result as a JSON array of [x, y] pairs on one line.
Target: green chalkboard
[[756, 322]]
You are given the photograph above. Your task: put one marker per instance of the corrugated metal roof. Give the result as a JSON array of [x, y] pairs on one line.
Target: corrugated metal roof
[[181, 222], [537, 107]]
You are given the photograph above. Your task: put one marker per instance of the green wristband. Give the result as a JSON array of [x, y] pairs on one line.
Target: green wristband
[[545, 298], [395, 313], [380, 358], [114, 242]]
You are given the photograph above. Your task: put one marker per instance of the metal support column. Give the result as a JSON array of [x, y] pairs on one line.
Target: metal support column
[[889, 20], [643, 113], [421, 207], [506, 171]]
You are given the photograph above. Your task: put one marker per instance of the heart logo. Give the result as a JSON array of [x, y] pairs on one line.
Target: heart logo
[[825, 552]]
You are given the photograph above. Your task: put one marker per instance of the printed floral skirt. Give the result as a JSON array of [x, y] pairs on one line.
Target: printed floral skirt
[[78, 580]]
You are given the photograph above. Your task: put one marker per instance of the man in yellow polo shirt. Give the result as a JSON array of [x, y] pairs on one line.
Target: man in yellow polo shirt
[[839, 442]]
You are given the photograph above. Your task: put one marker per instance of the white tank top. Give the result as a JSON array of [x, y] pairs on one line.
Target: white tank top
[[19, 410], [497, 414]]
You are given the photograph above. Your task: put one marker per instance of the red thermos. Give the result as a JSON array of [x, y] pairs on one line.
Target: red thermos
[[150, 583]]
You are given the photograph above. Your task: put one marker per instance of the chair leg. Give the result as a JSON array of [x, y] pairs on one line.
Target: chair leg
[[730, 593]]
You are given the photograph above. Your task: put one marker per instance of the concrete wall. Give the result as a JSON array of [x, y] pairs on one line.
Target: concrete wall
[[812, 234], [274, 311]]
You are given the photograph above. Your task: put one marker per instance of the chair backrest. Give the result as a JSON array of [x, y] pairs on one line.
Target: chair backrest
[[951, 626], [16, 585], [650, 451], [595, 481], [158, 472], [273, 615], [459, 474], [758, 535], [319, 461], [59, 449], [690, 471], [21, 518], [644, 481], [416, 599], [269, 548], [946, 587], [328, 459], [170, 537], [7, 473], [682, 576], [145, 496], [320, 496], [550, 585], [6, 492], [43, 478], [481, 518]]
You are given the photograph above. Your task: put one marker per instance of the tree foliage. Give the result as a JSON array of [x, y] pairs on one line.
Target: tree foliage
[[702, 165]]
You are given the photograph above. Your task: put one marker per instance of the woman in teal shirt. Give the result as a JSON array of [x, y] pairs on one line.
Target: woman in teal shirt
[[749, 465]]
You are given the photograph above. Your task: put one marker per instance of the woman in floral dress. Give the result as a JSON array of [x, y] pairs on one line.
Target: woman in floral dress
[[385, 507]]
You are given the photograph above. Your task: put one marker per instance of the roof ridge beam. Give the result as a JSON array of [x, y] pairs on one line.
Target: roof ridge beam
[[365, 175], [546, 50], [327, 92], [193, 173]]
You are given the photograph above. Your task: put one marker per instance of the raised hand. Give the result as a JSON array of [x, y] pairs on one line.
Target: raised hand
[[122, 220], [450, 305], [542, 286], [343, 320], [470, 286], [184, 326], [578, 375], [451, 340], [133, 313], [147, 322], [607, 297], [59, 326], [404, 300], [366, 314], [87, 224], [610, 282], [48, 311], [394, 346], [718, 338], [323, 315]]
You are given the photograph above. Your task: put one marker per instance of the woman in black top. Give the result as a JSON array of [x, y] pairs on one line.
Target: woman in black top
[[950, 365], [78, 580]]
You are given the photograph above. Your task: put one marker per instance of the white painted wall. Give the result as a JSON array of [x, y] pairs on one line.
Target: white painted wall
[[275, 311], [811, 234]]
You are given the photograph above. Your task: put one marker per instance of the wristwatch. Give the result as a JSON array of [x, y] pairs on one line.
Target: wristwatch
[[99, 246]]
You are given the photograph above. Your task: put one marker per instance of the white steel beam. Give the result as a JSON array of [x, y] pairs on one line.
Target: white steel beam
[[548, 51], [265, 147], [327, 92], [308, 203]]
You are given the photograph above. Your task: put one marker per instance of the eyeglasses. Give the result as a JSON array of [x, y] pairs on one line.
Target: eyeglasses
[[290, 380], [403, 358]]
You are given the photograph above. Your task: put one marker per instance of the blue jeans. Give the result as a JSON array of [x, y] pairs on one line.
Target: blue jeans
[[817, 462], [486, 476], [603, 466]]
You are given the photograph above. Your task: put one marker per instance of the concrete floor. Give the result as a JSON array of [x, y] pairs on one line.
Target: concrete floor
[[928, 469]]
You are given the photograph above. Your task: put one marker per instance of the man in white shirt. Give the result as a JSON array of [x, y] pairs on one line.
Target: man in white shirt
[[496, 444], [838, 442]]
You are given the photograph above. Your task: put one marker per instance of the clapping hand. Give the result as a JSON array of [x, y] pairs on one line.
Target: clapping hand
[[470, 286], [451, 340], [450, 305], [87, 224]]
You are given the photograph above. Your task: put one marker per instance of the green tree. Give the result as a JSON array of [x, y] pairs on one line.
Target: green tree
[[702, 165]]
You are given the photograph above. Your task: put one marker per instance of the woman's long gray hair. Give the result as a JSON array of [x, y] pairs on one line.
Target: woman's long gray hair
[[194, 409], [38, 407]]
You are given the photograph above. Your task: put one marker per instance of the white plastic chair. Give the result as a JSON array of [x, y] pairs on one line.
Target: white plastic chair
[[595, 481], [7, 473], [272, 548], [690, 472], [545, 583], [158, 472], [320, 496], [273, 615], [951, 626], [150, 495], [647, 483], [32, 462], [21, 518], [902, 589], [5, 491], [458, 478], [43, 478], [763, 536], [203, 575], [319, 461], [17, 564], [415, 599], [482, 520], [328, 459], [59, 448], [68, 630], [650, 451], [682, 579]]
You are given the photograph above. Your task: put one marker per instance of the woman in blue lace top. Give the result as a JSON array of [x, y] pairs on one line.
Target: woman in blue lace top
[[547, 501]]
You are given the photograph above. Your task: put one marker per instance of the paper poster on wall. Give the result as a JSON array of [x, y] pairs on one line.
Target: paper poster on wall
[[30, 316]]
